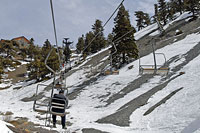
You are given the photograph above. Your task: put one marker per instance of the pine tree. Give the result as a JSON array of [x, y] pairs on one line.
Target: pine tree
[[192, 6], [7, 47], [147, 20], [126, 47], [156, 13], [162, 11], [180, 6], [87, 47], [37, 67], [67, 51], [80, 44], [31, 51], [1, 68], [139, 18], [177, 5], [143, 19], [99, 41], [52, 61], [109, 39], [170, 11]]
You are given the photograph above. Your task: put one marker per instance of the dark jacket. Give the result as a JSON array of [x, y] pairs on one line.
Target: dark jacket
[[59, 96]]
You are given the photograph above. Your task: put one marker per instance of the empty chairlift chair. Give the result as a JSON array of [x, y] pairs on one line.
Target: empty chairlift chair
[[111, 71], [154, 69]]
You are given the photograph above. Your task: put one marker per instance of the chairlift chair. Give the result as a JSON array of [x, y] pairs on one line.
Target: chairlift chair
[[111, 71], [51, 103], [154, 69]]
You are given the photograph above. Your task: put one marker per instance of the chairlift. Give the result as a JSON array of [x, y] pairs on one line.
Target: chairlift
[[111, 71], [51, 104], [154, 69]]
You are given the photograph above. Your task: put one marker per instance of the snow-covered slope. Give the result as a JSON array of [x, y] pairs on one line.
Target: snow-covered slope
[[178, 113], [173, 116], [4, 128]]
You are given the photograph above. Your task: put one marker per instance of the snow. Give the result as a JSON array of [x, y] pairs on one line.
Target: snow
[[145, 31], [4, 128], [181, 17], [154, 26], [3, 85], [88, 99], [180, 113], [23, 62]]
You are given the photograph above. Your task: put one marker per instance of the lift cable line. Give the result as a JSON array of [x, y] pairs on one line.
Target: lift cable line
[[56, 41], [103, 27], [52, 103], [54, 25]]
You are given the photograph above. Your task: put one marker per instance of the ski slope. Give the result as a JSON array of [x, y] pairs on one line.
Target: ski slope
[[173, 116], [4, 128], [179, 114]]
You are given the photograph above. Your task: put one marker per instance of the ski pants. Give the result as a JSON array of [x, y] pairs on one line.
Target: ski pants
[[62, 120]]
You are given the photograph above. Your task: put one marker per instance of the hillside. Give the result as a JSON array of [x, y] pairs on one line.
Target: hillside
[[127, 102]]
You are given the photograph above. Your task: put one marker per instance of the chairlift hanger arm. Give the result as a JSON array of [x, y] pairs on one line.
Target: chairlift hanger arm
[[56, 40]]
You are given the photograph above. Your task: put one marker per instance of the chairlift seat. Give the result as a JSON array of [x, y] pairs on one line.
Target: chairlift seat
[[108, 72], [40, 110], [152, 70]]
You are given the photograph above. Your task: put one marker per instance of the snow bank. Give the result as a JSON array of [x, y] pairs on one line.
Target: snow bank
[[182, 16], [4, 128]]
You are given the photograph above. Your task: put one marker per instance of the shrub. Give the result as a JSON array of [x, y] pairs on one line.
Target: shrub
[[8, 63], [18, 63]]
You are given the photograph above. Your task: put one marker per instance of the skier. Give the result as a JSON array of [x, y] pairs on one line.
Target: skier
[[60, 96]]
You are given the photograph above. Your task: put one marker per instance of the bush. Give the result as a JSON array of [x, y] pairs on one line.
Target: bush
[[18, 63], [7, 63]]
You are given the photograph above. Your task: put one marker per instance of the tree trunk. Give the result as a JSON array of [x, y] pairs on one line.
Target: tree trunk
[[124, 58]]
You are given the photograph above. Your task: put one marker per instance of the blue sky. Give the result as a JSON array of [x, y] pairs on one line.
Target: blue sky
[[32, 18]]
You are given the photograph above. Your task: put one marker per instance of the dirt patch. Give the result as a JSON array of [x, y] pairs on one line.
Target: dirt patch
[[18, 74], [92, 130], [22, 125], [5, 88]]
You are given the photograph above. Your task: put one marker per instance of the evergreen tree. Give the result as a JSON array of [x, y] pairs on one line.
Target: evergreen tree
[[67, 52], [192, 6], [147, 20], [1, 67], [156, 13], [31, 49], [177, 5], [109, 39], [53, 61], [47, 44], [162, 11], [99, 41], [23, 53], [80, 44], [37, 67], [170, 11], [88, 38], [126, 47], [7, 47], [180, 6], [143, 19]]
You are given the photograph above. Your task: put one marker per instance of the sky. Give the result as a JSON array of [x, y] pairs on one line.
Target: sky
[[32, 18]]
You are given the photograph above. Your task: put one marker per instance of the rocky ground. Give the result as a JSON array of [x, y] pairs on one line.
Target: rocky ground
[[18, 74]]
